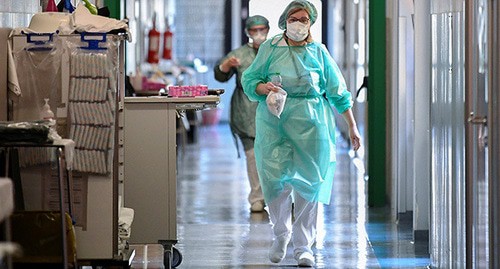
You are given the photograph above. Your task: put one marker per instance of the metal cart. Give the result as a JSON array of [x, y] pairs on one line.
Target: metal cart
[[150, 182]]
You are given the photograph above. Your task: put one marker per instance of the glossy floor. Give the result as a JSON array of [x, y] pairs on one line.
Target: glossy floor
[[217, 230]]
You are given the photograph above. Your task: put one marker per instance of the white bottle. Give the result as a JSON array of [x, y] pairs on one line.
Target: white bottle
[[276, 79], [46, 113]]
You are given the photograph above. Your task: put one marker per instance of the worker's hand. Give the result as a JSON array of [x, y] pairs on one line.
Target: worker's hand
[[229, 63], [266, 88], [355, 137]]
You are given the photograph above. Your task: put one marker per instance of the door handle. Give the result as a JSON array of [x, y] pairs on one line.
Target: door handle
[[482, 137], [477, 119]]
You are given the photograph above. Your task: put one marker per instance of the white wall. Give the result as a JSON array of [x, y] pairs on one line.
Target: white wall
[[422, 152]]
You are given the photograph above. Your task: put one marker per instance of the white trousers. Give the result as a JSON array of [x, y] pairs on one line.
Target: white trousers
[[303, 229], [253, 177]]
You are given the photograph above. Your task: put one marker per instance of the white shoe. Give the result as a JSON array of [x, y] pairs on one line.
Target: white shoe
[[257, 206], [305, 259], [278, 249]]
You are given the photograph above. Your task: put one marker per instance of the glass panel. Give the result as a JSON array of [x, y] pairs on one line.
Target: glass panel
[[198, 30], [32, 6], [5, 5], [482, 34], [17, 13], [479, 65], [5, 20], [21, 20], [18, 6], [446, 6], [448, 141]]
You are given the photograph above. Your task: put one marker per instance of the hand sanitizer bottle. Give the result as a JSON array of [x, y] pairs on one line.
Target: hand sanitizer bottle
[[46, 113]]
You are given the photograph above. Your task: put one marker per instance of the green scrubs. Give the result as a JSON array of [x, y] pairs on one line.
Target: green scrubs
[[242, 113], [297, 149]]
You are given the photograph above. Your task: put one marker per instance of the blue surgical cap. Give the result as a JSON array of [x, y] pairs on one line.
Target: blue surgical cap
[[295, 6], [256, 20]]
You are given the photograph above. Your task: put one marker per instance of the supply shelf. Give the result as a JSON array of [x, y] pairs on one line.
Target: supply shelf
[[85, 83]]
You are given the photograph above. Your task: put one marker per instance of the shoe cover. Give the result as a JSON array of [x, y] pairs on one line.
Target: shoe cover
[[305, 259], [277, 251]]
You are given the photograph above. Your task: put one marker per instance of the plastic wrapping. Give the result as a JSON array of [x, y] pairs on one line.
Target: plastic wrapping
[[92, 100], [82, 93], [276, 102], [38, 66]]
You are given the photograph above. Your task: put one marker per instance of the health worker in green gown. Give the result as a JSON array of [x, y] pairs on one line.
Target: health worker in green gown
[[295, 152], [242, 113]]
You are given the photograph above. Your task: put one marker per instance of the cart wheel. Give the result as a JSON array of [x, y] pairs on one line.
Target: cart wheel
[[176, 257]]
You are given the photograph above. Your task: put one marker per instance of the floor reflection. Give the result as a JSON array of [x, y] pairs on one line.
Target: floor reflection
[[216, 229]]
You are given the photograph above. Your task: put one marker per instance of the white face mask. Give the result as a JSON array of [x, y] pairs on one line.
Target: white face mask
[[297, 31], [258, 38]]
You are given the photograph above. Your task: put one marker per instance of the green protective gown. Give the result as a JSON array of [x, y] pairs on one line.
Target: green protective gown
[[297, 149], [242, 113]]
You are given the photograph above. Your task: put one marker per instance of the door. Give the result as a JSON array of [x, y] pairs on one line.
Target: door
[[493, 155], [448, 147], [405, 107], [477, 107], [482, 96]]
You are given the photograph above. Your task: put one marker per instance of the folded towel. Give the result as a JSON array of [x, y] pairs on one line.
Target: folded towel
[[84, 21], [125, 218]]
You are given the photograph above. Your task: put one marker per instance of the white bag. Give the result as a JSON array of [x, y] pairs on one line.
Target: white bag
[[276, 101]]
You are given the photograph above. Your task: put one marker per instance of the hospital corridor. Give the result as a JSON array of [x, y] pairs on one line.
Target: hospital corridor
[[249, 134], [217, 230]]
